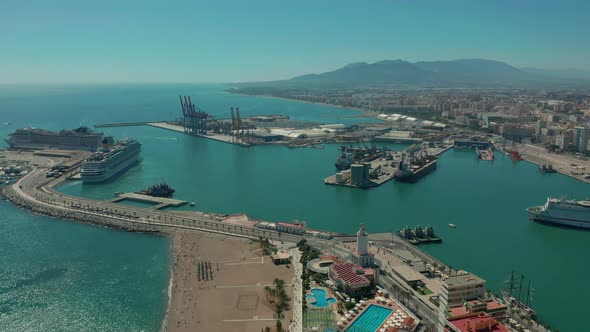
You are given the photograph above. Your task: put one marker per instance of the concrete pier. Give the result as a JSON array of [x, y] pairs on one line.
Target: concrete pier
[[386, 173], [161, 202], [216, 137]]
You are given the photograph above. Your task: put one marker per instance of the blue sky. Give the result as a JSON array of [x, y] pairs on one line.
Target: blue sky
[[229, 41]]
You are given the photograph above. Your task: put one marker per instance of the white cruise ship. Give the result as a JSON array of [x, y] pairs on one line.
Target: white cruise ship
[[563, 212], [110, 161], [82, 138]]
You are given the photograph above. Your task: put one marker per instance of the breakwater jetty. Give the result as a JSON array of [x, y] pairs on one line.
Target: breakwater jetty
[[36, 193]]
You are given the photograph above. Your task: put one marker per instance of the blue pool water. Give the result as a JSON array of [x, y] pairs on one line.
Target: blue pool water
[[320, 297], [370, 319]]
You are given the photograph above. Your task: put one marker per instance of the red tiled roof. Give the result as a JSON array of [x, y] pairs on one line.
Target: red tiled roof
[[495, 305], [347, 273], [408, 321], [458, 311], [481, 323]]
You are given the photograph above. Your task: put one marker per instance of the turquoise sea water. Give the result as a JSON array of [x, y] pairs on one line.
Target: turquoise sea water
[[64, 276], [486, 200]]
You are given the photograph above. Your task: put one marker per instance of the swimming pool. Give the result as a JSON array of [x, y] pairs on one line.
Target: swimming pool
[[370, 319], [320, 297]]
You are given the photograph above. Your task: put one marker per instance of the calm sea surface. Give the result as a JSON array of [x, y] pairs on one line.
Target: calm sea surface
[[486, 200]]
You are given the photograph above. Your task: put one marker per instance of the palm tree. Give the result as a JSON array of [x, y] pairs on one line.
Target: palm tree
[[267, 290]]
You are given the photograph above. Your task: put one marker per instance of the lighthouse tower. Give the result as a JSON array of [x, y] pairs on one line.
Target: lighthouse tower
[[361, 256], [362, 241]]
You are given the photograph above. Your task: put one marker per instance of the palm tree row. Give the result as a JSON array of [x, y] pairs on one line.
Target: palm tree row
[[280, 299]]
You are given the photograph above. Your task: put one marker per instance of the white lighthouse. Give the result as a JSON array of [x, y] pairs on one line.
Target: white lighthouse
[[362, 241], [361, 256]]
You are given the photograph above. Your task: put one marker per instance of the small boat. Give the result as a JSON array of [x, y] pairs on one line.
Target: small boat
[[452, 225], [192, 204]]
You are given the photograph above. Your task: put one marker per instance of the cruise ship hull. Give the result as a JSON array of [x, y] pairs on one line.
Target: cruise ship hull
[[111, 173], [565, 218], [36, 139]]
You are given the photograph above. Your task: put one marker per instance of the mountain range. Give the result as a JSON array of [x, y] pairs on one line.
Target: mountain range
[[454, 73]]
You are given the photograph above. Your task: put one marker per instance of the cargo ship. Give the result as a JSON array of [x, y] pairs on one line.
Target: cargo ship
[[110, 160], [414, 166], [82, 138], [563, 212]]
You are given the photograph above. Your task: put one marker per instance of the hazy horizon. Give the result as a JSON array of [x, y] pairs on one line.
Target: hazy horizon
[[230, 41]]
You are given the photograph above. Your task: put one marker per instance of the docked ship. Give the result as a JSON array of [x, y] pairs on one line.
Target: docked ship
[[563, 212], [344, 161], [351, 155], [514, 301], [158, 190], [82, 138], [110, 160], [484, 154], [514, 155], [414, 166], [547, 169]]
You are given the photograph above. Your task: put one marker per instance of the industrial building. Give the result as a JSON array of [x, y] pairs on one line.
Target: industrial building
[[359, 174]]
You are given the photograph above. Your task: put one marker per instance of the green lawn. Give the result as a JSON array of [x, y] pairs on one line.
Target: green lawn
[[424, 290], [320, 318]]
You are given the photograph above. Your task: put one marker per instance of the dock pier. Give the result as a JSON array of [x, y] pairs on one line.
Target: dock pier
[[160, 202]]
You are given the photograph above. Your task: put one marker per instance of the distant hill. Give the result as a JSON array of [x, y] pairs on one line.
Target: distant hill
[[570, 73], [455, 73]]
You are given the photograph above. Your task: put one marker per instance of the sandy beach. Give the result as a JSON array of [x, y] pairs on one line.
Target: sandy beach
[[218, 284]]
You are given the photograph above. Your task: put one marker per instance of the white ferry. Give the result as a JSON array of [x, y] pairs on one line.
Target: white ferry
[[563, 212], [110, 161]]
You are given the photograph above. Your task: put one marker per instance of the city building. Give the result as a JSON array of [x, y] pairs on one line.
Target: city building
[[565, 139], [281, 257], [581, 137], [361, 256], [515, 131], [352, 279], [480, 322], [490, 306], [460, 287], [293, 228]]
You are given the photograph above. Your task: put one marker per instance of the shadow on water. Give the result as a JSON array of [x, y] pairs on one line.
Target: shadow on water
[[38, 278], [550, 224]]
